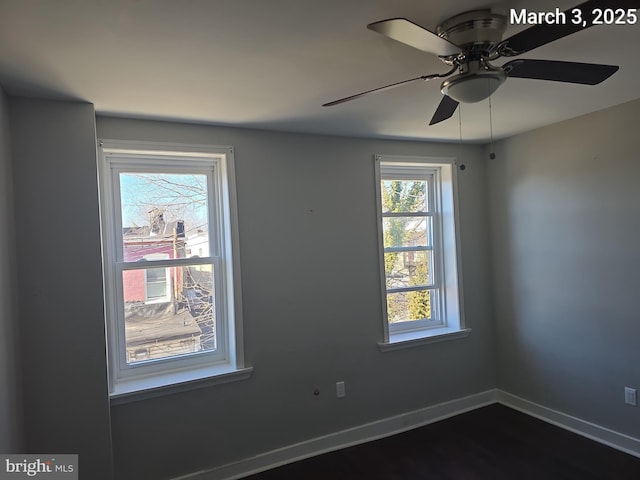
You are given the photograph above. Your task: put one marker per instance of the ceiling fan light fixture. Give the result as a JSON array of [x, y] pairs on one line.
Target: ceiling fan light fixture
[[473, 87]]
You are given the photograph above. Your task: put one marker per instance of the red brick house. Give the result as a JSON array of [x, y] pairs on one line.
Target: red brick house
[[158, 241]]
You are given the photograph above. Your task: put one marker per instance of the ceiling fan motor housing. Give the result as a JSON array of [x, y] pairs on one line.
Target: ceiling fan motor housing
[[476, 32]]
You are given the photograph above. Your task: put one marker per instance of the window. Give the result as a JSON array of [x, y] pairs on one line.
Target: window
[[157, 286], [173, 316], [418, 250]]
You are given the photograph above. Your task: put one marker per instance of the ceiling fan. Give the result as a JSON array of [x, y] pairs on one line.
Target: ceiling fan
[[470, 41]]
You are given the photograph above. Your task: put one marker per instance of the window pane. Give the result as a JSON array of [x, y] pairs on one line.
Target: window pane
[[156, 286], [408, 269], [404, 196], [171, 316], [407, 231], [164, 214], [409, 306], [156, 275]]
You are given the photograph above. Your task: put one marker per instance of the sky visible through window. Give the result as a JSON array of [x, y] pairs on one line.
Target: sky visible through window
[[179, 196]]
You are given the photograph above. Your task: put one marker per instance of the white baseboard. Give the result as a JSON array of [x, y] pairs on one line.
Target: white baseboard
[[408, 421], [603, 435], [345, 438]]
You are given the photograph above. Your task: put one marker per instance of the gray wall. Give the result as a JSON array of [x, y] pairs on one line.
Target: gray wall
[[60, 281], [312, 306], [10, 413], [565, 205]]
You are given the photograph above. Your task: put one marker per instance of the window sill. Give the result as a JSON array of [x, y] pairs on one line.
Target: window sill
[[167, 384], [422, 337]]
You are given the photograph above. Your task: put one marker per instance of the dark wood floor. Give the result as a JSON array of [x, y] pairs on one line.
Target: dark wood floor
[[491, 443]]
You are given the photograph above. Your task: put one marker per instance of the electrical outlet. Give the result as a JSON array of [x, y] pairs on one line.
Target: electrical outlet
[[630, 396], [340, 391]]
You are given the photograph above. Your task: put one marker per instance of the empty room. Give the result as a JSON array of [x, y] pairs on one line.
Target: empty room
[[390, 239]]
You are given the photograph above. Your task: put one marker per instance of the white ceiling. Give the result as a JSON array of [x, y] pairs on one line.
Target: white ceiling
[[272, 63]]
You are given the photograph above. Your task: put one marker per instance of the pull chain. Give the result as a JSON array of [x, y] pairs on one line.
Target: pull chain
[[462, 165], [491, 154]]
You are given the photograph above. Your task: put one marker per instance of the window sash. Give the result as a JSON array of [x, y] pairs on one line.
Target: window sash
[[118, 161], [147, 367], [131, 164], [415, 172]]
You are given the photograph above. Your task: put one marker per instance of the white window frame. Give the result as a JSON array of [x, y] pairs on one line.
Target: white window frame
[[447, 320], [226, 363]]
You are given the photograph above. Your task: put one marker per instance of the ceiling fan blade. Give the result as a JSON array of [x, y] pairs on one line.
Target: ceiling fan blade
[[541, 34], [404, 31], [375, 90], [393, 85], [446, 108], [571, 72]]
